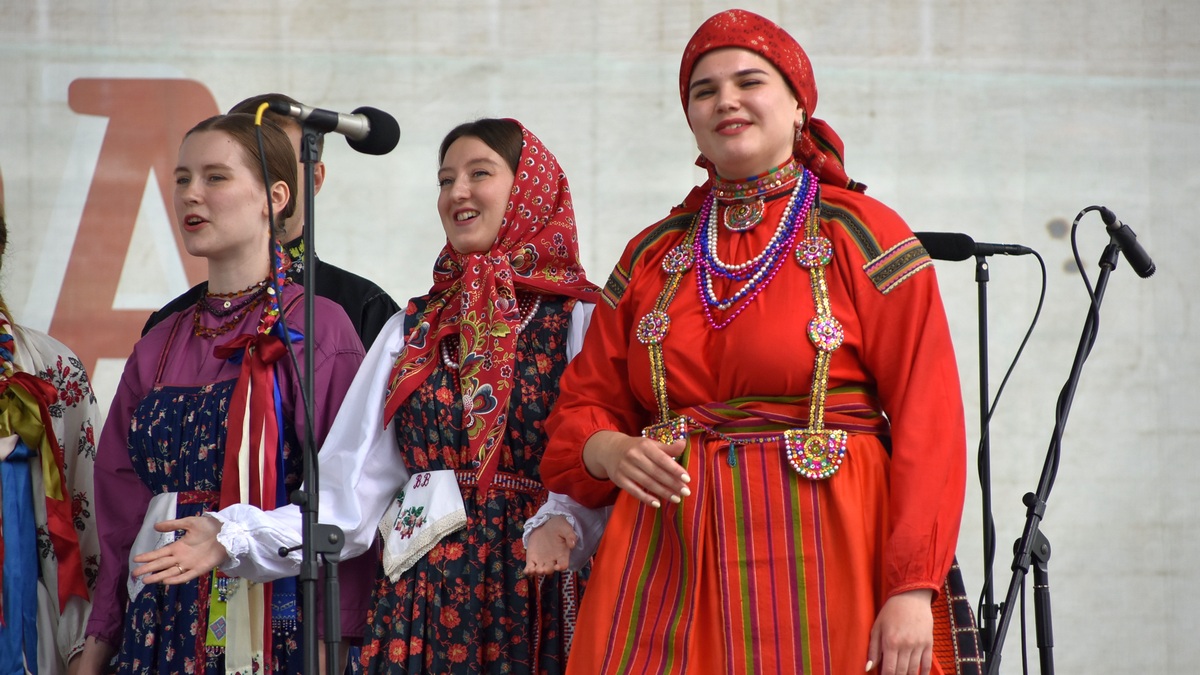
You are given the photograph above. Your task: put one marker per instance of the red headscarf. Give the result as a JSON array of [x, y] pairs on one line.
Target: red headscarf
[[474, 297], [819, 148]]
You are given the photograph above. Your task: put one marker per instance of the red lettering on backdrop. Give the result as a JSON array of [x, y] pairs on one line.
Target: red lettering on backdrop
[[147, 120]]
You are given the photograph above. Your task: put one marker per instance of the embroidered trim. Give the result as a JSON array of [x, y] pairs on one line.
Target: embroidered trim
[[814, 452], [859, 233], [509, 482], [898, 263], [619, 280]]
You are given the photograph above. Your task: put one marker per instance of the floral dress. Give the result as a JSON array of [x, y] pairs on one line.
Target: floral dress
[[44, 613], [177, 444], [466, 607]]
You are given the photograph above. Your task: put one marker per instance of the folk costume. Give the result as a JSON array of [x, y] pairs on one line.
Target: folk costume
[[49, 552], [790, 329], [442, 452], [207, 397], [367, 305]]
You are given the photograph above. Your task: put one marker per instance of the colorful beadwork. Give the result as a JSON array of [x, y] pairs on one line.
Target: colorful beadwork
[[743, 200], [826, 333], [667, 432], [757, 272], [814, 452], [678, 260], [816, 455], [233, 309], [814, 252], [653, 327], [279, 278], [759, 186], [743, 216]]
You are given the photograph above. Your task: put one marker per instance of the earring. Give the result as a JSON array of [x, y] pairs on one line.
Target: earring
[[798, 133]]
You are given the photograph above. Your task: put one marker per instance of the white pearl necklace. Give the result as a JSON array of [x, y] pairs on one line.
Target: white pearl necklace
[[780, 233], [445, 349]]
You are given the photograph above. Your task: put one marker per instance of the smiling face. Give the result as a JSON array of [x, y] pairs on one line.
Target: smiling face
[[474, 184], [742, 112], [220, 204]]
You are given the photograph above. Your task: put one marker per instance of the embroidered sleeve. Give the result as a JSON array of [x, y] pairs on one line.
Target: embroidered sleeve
[[897, 264], [621, 275]]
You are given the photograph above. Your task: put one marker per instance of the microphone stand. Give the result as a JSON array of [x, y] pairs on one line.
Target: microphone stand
[[987, 609], [318, 541], [1033, 548]]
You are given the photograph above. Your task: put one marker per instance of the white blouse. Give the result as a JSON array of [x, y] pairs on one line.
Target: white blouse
[[361, 469]]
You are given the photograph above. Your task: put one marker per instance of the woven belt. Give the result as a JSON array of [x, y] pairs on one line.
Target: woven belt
[[210, 498], [508, 482]]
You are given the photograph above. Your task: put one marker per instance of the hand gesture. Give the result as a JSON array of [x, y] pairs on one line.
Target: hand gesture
[[191, 556], [644, 468], [548, 547]]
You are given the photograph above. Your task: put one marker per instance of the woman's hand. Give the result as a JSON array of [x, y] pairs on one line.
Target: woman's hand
[[549, 546], [902, 637], [191, 556], [644, 468]]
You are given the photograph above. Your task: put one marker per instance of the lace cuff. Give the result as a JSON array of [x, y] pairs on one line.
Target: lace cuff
[[236, 540]]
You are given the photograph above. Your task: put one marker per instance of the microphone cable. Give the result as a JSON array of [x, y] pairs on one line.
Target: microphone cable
[[983, 467], [1092, 326], [285, 333]]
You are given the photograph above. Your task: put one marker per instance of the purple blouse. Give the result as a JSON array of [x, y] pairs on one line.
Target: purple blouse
[[122, 498]]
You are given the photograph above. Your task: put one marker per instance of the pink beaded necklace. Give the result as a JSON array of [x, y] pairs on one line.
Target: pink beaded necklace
[[759, 271]]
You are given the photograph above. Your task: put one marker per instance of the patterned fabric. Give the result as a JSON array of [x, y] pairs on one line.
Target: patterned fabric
[[50, 403], [955, 636], [897, 264], [166, 432], [466, 607], [177, 438], [819, 147], [474, 297], [25, 400], [177, 443], [770, 535], [761, 570]]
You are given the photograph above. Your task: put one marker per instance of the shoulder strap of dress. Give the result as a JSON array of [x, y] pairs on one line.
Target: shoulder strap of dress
[[162, 356], [291, 304]]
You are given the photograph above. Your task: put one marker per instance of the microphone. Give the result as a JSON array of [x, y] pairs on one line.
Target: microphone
[[1126, 240], [958, 246], [367, 130]]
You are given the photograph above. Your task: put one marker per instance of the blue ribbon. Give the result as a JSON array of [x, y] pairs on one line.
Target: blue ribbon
[[18, 635]]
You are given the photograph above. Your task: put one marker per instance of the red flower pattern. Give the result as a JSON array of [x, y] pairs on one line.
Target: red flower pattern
[[466, 606]]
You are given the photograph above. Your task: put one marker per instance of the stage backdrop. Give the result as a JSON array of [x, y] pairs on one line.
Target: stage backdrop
[[1001, 120]]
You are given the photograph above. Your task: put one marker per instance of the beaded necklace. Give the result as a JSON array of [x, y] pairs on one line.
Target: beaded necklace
[[232, 302], [525, 319], [813, 452], [746, 209], [268, 292], [757, 272], [231, 318], [8, 345]]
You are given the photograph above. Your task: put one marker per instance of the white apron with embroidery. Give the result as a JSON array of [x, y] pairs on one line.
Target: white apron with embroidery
[[429, 507]]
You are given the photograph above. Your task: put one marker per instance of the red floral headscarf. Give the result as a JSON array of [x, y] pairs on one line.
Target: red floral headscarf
[[474, 297], [819, 148]]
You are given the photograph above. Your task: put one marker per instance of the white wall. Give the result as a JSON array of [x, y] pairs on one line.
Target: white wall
[[999, 119]]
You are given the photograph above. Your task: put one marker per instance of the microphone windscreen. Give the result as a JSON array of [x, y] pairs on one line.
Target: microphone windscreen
[[947, 245], [384, 132]]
